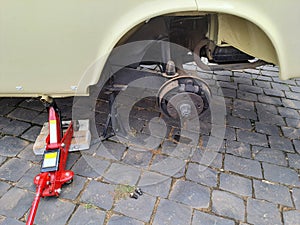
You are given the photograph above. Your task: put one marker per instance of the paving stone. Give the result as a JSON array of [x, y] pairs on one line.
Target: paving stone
[[269, 155], [244, 105], [201, 218], [212, 144], [17, 199], [202, 175], [280, 87], [177, 150], [295, 89], [226, 204], [28, 154], [238, 149], [277, 194], [290, 113], [71, 191], [243, 166], [262, 213], [90, 166], [281, 143], [12, 127], [289, 103], [23, 114], [262, 84], [297, 145], [3, 187], [40, 119], [229, 85], [270, 100], [167, 165], [32, 133], [14, 169], [252, 138], [137, 158], [280, 174], [292, 95], [296, 197], [226, 92], [293, 122], [11, 221], [11, 146], [236, 184], [242, 80], [265, 108], [250, 88], [155, 184], [110, 150], [172, 213], [191, 194], [117, 220], [140, 209], [208, 158], [284, 82], [238, 122], [290, 132], [246, 114], [291, 217], [2, 159], [270, 118], [32, 103], [230, 134], [246, 96], [53, 209], [267, 128], [274, 92], [89, 216], [98, 194], [294, 160], [124, 174], [26, 181]]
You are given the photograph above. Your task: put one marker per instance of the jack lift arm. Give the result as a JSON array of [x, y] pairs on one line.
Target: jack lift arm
[[53, 173]]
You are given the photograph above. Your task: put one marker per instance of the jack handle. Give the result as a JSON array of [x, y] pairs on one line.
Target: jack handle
[[39, 191]]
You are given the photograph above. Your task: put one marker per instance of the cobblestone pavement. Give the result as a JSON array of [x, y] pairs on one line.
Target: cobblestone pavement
[[252, 179]]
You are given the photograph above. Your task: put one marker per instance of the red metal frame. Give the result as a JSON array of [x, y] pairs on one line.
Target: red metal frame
[[50, 183]]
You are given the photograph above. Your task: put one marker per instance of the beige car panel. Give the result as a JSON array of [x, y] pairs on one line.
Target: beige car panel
[[49, 47]]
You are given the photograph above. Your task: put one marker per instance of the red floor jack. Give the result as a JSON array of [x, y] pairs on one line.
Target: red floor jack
[[53, 174]]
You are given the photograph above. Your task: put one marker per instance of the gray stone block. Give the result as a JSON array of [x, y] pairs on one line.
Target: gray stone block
[[280, 174], [296, 197], [15, 203], [98, 194], [252, 138], [262, 213], [281, 143], [89, 216], [243, 166], [122, 174], [191, 194], [140, 209], [291, 217], [226, 204], [124, 220], [236, 184], [238, 149], [269, 155], [202, 174], [172, 213], [14, 169], [277, 194], [201, 218], [11, 146]]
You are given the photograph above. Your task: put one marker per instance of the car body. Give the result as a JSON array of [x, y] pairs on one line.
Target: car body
[[47, 47]]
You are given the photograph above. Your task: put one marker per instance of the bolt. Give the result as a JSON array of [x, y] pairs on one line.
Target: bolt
[[139, 191], [133, 195], [185, 110], [62, 145]]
